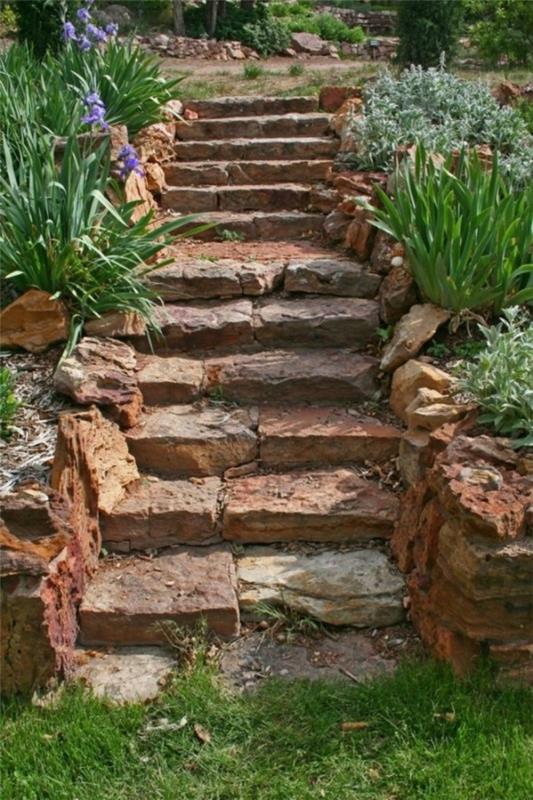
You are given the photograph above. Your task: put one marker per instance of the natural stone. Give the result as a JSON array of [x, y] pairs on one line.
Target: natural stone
[[127, 600], [203, 326], [116, 324], [169, 380], [309, 43], [431, 417], [125, 675], [349, 108], [194, 279], [355, 587], [33, 321], [135, 190], [335, 226], [340, 277], [307, 506], [397, 294], [413, 450], [157, 513], [331, 98], [156, 142], [416, 328], [155, 178], [411, 377], [102, 371], [360, 234]]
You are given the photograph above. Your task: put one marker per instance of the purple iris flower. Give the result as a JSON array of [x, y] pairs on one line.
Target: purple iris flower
[[69, 32], [130, 161], [97, 34], [95, 111], [83, 15], [111, 29], [84, 44], [93, 99]]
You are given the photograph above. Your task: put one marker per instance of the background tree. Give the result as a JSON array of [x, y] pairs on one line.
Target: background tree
[[503, 30], [40, 22], [428, 28], [179, 21]]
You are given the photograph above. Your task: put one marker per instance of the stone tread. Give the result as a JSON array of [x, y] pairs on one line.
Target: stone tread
[[229, 173], [270, 322], [169, 380], [252, 105], [253, 225], [254, 197], [183, 440], [323, 506], [158, 513], [127, 598], [242, 149], [310, 435], [264, 126], [294, 376]]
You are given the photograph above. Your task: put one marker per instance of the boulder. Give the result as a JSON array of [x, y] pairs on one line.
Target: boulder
[[156, 142], [358, 587], [309, 43], [331, 98], [135, 189], [336, 226], [33, 322], [102, 371], [360, 234], [343, 116], [411, 377], [411, 333], [397, 294], [155, 178]]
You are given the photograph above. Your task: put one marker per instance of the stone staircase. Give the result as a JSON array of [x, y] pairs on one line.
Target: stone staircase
[[253, 441]]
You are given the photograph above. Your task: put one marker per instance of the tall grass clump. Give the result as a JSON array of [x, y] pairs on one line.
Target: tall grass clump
[[467, 233]]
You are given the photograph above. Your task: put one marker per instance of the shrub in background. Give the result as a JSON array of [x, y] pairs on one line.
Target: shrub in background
[[503, 30], [40, 23], [468, 236], [8, 402], [500, 377], [60, 233], [428, 28]]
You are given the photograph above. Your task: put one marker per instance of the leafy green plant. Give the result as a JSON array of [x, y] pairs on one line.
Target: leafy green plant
[[60, 233], [8, 402], [267, 37], [40, 22], [295, 70], [468, 236], [438, 350], [503, 30], [500, 378], [251, 72], [427, 29], [8, 20], [443, 112], [226, 235]]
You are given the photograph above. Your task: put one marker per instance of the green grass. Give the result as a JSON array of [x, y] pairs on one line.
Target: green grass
[[429, 738]]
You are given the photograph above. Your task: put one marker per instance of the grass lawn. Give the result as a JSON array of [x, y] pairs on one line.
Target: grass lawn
[[429, 737]]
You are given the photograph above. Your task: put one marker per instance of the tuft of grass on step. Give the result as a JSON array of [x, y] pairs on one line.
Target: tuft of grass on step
[[295, 70], [251, 72], [428, 737]]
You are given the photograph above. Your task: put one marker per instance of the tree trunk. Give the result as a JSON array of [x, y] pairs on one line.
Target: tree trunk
[[212, 12], [179, 22]]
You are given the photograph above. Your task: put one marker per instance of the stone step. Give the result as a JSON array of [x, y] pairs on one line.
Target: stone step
[[294, 376], [319, 506], [271, 126], [252, 106], [310, 436], [270, 322], [191, 200], [257, 225], [169, 380], [205, 279], [242, 149], [185, 440], [334, 275], [359, 587], [230, 173], [127, 599], [158, 513]]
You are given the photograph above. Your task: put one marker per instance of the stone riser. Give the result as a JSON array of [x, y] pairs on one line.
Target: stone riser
[[252, 106], [228, 173], [267, 127], [240, 149], [236, 198], [253, 226]]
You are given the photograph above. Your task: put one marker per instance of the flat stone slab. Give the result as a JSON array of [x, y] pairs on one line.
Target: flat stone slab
[[159, 513], [337, 276], [191, 199], [358, 587], [310, 435], [169, 380], [257, 225], [126, 675], [295, 376], [286, 148], [197, 279], [316, 322], [314, 506], [186, 441], [250, 105], [261, 126], [228, 173], [203, 325], [127, 599]]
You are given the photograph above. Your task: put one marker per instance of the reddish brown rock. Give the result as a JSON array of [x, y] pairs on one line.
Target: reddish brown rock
[[294, 376], [102, 371], [396, 295], [157, 513], [169, 380], [342, 277], [411, 377], [194, 279], [135, 190], [155, 178], [180, 586], [332, 436], [360, 234], [345, 113], [335, 226], [33, 322], [116, 323], [34, 511], [339, 322], [507, 92], [411, 333], [203, 326], [307, 506], [331, 98], [384, 250], [183, 440], [156, 142], [413, 455]]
